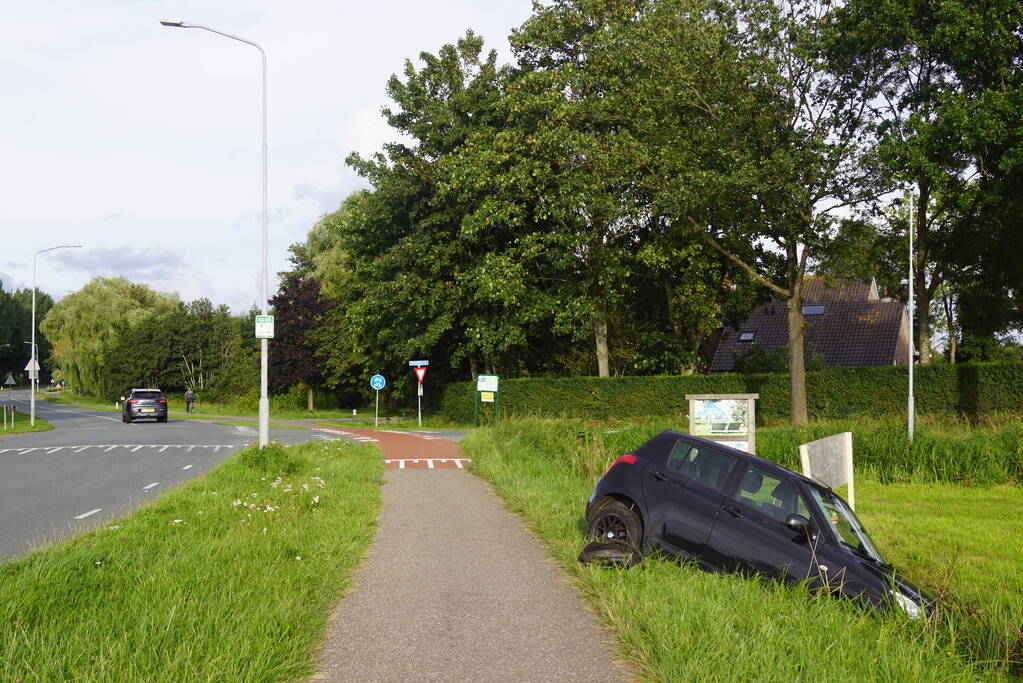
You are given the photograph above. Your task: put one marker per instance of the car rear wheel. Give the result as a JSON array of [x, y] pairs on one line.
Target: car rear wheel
[[614, 520]]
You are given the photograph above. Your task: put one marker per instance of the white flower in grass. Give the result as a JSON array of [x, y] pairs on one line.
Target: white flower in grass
[[200, 512], [116, 526], [316, 500], [178, 521], [298, 557], [264, 531], [254, 495], [237, 501], [305, 487]]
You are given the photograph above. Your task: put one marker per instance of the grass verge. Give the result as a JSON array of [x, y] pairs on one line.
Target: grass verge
[[228, 577], [676, 622], [22, 424]]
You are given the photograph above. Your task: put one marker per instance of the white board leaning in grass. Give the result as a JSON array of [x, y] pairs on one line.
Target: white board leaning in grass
[[830, 461]]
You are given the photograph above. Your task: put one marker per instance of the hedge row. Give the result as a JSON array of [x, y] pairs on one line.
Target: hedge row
[[834, 393]]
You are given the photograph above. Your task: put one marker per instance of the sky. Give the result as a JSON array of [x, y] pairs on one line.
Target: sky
[[141, 143]]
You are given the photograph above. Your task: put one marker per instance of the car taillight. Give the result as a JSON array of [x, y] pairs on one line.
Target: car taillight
[[131, 401], [628, 457], [162, 401]]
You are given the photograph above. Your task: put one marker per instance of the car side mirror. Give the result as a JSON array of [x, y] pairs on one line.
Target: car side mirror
[[799, 523]]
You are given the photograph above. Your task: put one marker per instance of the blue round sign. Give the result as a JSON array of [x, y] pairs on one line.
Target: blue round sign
[[377, 382]]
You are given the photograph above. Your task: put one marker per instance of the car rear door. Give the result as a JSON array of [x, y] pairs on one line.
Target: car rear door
[[683, 496], [750, 531]]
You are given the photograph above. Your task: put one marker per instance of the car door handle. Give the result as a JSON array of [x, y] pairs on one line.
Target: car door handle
[[733, 511], [659, 476]]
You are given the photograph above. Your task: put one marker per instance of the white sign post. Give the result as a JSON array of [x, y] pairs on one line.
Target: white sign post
[[830, 461], [419, 367], [377, 382], [264, 327]]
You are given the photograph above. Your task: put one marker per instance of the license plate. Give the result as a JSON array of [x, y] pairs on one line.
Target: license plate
[[149, 410]]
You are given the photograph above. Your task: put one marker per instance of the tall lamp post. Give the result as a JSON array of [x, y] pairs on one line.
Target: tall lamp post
[[264, 401], [34, 364]]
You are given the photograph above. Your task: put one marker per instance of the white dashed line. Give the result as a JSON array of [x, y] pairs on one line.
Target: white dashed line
[[186, 467], [136, 448], [146, 488], [86, 514]]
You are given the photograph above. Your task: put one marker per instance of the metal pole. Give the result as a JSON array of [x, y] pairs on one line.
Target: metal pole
[[911, 408], [264, 400], [33, 373], [376, 419], [33, 376]]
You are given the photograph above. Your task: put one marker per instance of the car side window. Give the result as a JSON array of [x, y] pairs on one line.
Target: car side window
[[708, 467], [773, 496]]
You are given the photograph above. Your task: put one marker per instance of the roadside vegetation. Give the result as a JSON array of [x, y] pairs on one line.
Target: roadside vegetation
[[963, 544], [22, 424], [228, 577]]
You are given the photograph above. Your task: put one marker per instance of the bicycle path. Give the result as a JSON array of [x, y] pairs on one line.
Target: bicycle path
[[455, 588]]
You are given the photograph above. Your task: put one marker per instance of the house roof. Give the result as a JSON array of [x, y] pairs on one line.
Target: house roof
[[862, 332], [818, 290]]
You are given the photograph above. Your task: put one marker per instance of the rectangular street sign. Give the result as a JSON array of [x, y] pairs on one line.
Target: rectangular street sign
[[264, 327], [486, 382], [418, 363]]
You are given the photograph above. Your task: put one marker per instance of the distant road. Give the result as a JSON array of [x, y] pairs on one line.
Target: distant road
[[93, 468]]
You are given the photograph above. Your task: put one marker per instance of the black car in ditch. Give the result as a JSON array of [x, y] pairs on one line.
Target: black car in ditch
[[732, 511], [144, 403]]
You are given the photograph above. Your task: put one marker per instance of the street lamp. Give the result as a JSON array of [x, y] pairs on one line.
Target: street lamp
[[33, 373], [264, 401]]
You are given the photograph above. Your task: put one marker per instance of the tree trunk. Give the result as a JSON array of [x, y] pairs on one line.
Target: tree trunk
[[474, 366], [797, 363], [309, 399], [600, 336], [922, 309]]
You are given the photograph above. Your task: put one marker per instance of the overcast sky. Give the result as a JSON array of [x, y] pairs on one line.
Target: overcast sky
[[142, 143]]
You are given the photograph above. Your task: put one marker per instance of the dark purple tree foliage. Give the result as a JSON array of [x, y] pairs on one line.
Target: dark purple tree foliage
[[298, 309]]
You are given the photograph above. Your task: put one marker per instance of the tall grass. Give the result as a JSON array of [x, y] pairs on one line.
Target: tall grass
[[678, 623], [228, 577]]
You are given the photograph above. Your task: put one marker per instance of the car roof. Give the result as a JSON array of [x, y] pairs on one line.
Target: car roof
[[760, 462], [156, 390]]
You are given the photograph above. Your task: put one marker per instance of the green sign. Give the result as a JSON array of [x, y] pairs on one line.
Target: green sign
[[264, 327]]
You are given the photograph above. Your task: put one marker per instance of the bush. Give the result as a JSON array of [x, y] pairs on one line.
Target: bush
[[834, 393]]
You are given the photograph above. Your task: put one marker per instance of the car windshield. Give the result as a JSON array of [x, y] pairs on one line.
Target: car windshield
[[846, 525], [146, 394]]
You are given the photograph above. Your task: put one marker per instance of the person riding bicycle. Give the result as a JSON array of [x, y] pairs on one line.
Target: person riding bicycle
[[189, 400]]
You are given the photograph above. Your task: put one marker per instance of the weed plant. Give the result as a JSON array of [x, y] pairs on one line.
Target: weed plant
[[229, 577], [679, 623]]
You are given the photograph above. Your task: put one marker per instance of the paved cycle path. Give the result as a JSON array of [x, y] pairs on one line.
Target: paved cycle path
[[455, 588]]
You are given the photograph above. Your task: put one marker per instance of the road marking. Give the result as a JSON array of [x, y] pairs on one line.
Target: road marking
[[136, 448], [162, 449], [86, 514], [430, 462], [146, 488], [110, 448], [54, 449], [186, 467]]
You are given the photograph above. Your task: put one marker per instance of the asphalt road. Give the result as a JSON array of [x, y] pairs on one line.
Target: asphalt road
[[93, 468]]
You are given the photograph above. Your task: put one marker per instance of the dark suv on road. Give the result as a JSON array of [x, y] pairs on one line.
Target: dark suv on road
[[144, 403], [731, 511]]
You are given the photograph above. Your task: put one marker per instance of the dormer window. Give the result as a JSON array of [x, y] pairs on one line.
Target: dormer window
[[746, 337], [813, 309]]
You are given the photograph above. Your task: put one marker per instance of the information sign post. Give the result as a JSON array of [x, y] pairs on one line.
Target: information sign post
[[727, 419], [419, 367], [377, 382], [487, 391]]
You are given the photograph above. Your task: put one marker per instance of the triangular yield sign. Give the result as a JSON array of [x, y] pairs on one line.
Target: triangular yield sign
[[420, 373], [10, 380]]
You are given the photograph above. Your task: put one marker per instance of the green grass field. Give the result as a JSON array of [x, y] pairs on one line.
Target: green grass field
[[20, 423], [228, 577], [676, 622]]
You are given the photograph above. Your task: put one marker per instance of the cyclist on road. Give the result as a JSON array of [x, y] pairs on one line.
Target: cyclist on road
[[189, 400]]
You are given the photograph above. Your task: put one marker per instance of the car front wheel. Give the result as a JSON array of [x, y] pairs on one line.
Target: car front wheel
[[613, 519]]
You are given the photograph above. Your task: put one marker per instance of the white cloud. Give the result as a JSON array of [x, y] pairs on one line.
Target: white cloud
[[138, 141]]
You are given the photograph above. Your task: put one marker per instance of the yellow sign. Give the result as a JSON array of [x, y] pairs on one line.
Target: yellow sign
[[487, 396]]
